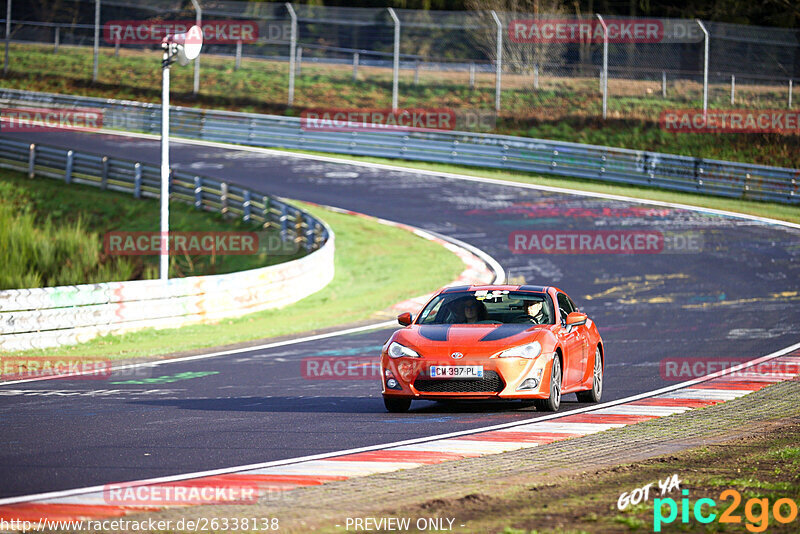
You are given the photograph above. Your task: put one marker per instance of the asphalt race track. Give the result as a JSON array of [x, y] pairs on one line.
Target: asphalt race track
[[733, 294]]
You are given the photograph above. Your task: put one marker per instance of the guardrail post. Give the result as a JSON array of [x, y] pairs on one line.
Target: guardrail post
[[284, 220], [238, 62], [57, 39], [246, 206], [198, 193], [104, 176], [8, 34], [266, 213], [733, 88], [309, 237], [498, 77], [292, 47], [355, 66], [395, 58], [223, 198], [68, 167], [32, 161], [137, 181], [96, 50]]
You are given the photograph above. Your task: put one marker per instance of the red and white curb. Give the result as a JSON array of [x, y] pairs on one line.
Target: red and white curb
[[274, 477]]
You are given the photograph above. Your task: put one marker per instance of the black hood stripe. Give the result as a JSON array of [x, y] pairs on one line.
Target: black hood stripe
[[506, 330], [435, 332]]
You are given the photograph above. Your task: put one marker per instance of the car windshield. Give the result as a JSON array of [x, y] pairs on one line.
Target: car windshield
[[488, 307]]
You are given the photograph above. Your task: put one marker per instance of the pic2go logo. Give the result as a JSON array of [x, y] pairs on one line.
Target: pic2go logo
[[756, 511]]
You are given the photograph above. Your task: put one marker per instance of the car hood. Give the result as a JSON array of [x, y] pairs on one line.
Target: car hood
[[483, 339]]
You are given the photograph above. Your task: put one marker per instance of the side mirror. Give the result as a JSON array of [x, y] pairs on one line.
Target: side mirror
[[405, 319], [576, 319]]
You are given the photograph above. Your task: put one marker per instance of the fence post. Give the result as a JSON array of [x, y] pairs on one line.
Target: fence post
[[299, 61], [8, 34], [535, 75], [137, 181], [395, 58], [57, 39], [605, 65], [416, 72], [472, 75], [705, 66], [238, 55], [198, 193], [355, 66], [104, 175], [733, 88], [96, 51], [246, 206], [68, 167], [198, 19], [498, 77], [292, 47], [32, 161], [116, 47], [790, 94], [663, 84]]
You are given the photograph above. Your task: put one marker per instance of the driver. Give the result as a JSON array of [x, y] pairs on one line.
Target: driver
[[535, 310], [472, 311]]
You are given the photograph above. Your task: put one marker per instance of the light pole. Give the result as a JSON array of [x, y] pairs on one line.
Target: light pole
[[184, 47]]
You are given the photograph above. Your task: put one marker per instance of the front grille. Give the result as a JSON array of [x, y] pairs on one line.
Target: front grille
[[490, 383]]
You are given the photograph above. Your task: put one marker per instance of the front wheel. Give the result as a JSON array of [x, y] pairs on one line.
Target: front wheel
[[552, 403], [397, 404], [594, 394]]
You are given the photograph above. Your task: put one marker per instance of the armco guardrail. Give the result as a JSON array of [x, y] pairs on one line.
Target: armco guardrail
[[52, 316], [714, 177]]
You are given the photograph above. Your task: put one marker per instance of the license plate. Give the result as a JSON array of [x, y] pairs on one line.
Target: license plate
[[456, 371]]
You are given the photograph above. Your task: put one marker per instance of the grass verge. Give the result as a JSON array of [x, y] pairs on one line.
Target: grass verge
[[562, 109], [376, 266], [86, 213]]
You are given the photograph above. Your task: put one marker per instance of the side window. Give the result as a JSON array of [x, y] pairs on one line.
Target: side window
[[574, 308], [565, 306]]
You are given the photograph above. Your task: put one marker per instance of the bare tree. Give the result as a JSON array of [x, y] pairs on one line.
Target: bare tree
[[517, 56]]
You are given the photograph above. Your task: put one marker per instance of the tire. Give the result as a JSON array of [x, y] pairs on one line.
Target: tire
[[397, 404], [553, 402], [594, 394]]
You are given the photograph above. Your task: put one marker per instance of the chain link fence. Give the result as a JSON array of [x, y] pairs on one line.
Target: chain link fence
[[545, 67]]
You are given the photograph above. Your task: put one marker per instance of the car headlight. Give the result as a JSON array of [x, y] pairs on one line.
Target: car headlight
[[396, 350], [530, 351]]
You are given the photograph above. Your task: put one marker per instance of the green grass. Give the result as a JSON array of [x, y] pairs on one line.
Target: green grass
[[566, 110], [78, 217], [376, 267]]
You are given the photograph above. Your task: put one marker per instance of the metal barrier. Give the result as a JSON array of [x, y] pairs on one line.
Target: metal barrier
[[47, 317], [607, 164]]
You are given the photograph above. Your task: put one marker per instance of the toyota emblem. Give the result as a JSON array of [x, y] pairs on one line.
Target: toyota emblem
[[456, 355]]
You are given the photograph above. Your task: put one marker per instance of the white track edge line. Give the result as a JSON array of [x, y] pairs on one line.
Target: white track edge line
[[322, 456]]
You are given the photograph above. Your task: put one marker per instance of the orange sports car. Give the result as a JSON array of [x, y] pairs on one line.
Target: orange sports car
[[494, 342]]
